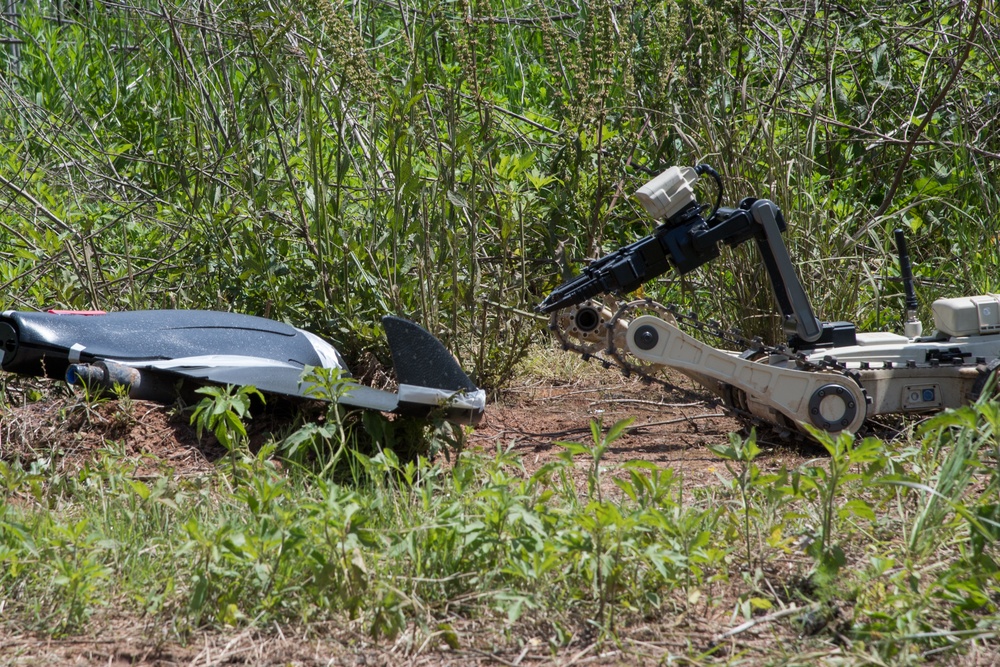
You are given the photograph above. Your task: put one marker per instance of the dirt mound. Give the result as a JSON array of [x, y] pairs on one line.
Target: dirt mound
[[69, 432]]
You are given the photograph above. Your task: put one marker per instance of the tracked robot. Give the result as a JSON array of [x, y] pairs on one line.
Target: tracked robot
[[827, 375]]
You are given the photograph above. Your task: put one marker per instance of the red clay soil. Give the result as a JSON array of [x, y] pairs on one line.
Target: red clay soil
[[670, 428]]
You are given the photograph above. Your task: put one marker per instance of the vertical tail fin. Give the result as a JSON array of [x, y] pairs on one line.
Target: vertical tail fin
[[428, 374], [421, 360]]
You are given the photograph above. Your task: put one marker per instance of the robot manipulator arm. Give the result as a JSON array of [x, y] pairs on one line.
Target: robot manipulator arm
[[683, 242], [623, 271], [668, 197], [686, 241]]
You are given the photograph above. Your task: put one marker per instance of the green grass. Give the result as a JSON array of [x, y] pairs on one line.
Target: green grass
[[889, 553]]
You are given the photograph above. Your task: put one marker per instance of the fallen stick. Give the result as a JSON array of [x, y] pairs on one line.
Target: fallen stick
[[754, 622]]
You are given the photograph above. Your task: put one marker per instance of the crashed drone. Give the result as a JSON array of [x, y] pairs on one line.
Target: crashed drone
[[152, 354], [827, 375]]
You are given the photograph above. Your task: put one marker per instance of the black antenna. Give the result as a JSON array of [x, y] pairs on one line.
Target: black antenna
[[906, 271], [912, 326]]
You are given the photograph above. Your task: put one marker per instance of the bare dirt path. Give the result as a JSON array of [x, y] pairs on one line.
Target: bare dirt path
[[669, 428]]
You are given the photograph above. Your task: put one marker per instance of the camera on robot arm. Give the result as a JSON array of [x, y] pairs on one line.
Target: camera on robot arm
[[684, 241]]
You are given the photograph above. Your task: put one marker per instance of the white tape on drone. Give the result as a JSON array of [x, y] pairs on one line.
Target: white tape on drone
[[74, 353], [327, 353], [464, 400]]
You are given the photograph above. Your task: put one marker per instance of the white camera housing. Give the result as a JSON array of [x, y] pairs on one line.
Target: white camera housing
[[668, 193]]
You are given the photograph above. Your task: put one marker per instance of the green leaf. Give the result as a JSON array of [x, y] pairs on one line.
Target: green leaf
[[574, 448], [857, 507], [727, 452], [617, 430], [140, 488]]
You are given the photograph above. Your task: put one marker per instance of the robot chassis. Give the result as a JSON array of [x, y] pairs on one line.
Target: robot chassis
[[828, 375]]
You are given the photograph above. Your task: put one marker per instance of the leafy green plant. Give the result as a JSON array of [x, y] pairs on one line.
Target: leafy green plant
[[955, 438], [825, 487], [741, 453], [602, 523], [222, 412], [316, 445]]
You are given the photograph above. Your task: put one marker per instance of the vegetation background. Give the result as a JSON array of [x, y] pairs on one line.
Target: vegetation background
[[325, 163]]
